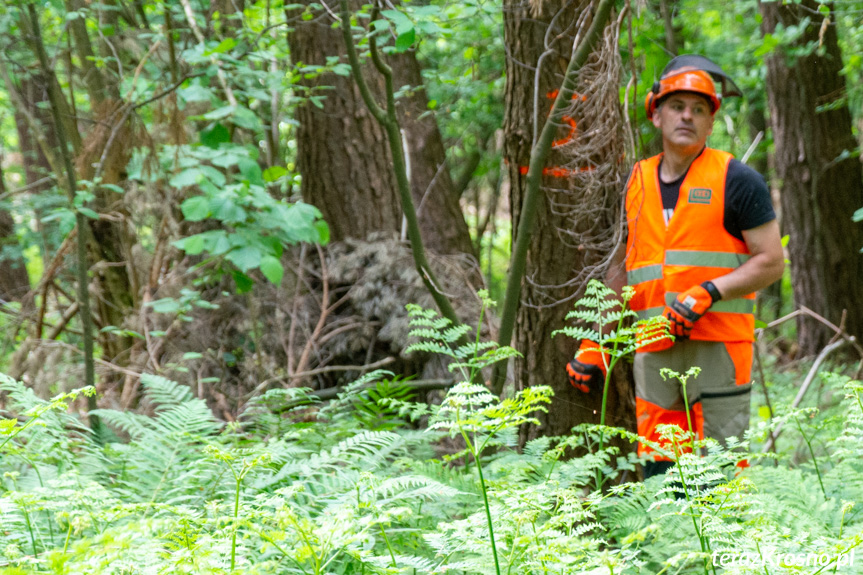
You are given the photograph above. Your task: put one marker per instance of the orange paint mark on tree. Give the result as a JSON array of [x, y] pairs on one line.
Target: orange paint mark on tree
[[558, 171]]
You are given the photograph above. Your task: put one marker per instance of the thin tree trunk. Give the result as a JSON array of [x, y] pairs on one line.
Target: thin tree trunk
[[666, 9], [14, 282], [769, 298], [820, 175], [562, 243]]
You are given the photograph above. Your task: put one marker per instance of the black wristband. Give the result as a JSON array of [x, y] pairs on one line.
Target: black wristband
[[711, 289]]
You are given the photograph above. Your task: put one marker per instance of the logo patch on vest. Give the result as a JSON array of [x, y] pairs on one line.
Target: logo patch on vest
[[700, 195]]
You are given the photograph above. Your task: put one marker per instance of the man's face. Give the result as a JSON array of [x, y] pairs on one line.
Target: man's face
[[685, 121]]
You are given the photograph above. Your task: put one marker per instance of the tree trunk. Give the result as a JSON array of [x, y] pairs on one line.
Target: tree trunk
[[666, 9], [14, 282], [769, 298], [343, 154], [579, 210], [820, 175], [108, 146]]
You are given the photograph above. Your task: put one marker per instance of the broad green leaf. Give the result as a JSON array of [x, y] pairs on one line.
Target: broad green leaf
[[272, 269], [225, 45], [251, 171], [114, 188], [196, 208], [165, 305], [273, 173], [186, 178], [226, 210], [244, 283], [216, 242], [406, 40], [213, 175], [215, 135], [193, 245], [245, 118], [89, 213], [245, 258], [219, 113], [226, 160], [195, 93], [400, 19], [323, 231]]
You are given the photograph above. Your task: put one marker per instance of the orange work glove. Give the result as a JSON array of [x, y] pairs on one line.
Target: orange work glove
[[588, 368], [688, 308]]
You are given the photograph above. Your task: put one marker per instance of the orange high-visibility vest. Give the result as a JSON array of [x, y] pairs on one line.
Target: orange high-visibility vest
[[695, 247]]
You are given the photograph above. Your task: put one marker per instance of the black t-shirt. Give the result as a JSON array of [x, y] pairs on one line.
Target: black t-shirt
[[747, 199]]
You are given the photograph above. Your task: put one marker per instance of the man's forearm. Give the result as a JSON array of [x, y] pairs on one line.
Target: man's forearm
[[757, 273]]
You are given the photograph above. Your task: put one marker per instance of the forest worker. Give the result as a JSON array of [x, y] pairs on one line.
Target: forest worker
[[702, 238]]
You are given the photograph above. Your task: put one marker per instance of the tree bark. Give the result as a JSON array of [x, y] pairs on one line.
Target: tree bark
[[14, 282], [666, 9], [343, 154], [820, 175], [562, 244], [769, 298], [108, 146]]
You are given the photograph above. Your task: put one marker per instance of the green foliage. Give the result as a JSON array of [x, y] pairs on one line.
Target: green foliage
[[255, 226], [289, 490]]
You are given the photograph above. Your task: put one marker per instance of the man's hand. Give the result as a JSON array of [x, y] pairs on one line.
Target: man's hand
[[588, 368], [688, 308]]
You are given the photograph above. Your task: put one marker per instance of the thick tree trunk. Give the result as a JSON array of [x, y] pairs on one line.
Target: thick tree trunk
[[343, 154], [566, 241], [822, 183], [342, 151]]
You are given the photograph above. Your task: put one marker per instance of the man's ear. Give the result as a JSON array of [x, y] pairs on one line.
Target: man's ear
[[656, 121]]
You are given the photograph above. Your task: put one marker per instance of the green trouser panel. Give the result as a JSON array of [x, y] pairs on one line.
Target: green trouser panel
[[724, 403]]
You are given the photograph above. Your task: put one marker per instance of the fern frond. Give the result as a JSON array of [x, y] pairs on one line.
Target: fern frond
[[163, 392]]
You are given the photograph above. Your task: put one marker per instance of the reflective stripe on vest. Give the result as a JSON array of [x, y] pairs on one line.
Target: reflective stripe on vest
[[644, 274], [686, 258], [704, 259]]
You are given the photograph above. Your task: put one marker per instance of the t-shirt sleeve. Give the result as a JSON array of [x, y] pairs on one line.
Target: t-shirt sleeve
[[747, 200]]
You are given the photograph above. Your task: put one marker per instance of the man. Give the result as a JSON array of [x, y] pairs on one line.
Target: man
[[702, 238]]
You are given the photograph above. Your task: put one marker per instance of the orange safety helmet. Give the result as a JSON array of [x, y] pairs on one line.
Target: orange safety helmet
[[682, 80]]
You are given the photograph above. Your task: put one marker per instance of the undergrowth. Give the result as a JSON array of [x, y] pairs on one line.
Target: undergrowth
[[357, 486]]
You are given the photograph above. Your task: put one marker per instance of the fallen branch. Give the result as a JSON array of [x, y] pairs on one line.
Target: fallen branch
[[808, 312]]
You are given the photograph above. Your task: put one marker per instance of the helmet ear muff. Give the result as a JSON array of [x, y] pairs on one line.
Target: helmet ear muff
[[651, 96], [648, 104]]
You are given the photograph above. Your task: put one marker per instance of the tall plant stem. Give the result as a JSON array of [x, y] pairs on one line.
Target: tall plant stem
[[389, 547], [81, 221], [239, 479], [476, 461], [701, 539], [812, 454], [538, 157]]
